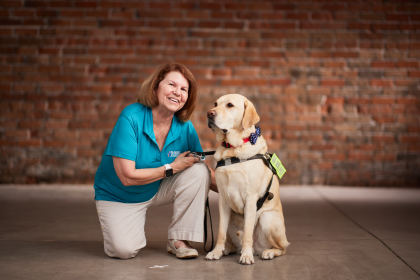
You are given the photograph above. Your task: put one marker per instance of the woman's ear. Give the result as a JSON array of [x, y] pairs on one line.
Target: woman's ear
[[250, 115]]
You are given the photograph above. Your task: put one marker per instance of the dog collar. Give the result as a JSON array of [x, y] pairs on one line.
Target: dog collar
[[252, 138]]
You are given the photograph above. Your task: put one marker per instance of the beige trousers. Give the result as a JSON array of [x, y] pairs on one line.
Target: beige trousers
[[123, 223]]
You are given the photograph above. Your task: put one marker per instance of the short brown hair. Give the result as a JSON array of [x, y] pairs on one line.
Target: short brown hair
[[147, 95]]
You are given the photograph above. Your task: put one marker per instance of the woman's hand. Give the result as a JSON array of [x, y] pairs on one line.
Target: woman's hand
[[183, 161]]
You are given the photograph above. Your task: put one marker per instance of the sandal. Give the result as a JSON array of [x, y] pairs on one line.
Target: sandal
[[182, 252]]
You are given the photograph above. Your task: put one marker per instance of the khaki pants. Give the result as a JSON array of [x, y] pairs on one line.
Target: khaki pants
[[123, 223]]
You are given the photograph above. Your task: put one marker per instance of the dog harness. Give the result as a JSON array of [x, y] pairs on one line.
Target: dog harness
[[253, 137], [266, 159]]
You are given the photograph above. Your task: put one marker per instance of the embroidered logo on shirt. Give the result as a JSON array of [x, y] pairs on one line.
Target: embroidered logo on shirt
[[173, 154]]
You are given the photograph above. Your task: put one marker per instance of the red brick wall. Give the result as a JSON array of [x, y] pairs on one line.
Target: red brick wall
[[336, 82]]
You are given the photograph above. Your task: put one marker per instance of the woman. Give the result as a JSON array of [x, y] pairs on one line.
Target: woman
[[146, 163]]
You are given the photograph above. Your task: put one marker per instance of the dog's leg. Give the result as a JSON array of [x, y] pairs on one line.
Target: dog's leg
[[224, 211], [250, 213], [234, 239], [229, 246], [272, 225]]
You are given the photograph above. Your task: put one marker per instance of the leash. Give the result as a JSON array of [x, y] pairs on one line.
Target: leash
[[202, 156], [205, 227]]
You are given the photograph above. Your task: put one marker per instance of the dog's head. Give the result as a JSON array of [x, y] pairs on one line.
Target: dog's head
[[232, 111]]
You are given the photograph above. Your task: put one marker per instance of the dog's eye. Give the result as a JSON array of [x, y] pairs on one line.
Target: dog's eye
[[230, 105], [215, 104]]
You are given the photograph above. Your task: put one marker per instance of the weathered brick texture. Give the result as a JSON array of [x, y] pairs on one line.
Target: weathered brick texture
[[336, 82]]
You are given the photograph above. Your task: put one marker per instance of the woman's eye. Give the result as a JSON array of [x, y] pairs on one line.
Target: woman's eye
[[230, 105]]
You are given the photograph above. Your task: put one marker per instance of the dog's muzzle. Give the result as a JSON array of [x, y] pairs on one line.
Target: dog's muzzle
[[211, 115]]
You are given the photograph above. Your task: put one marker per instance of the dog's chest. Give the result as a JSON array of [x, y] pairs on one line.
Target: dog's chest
[[232, 190], [236, 184]]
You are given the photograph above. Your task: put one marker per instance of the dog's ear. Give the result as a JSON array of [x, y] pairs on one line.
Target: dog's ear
[[250, 115]]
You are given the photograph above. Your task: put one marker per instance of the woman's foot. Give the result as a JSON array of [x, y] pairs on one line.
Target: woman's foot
[[181, 249]]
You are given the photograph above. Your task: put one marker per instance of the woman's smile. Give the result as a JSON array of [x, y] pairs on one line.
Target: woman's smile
[[172, 92]]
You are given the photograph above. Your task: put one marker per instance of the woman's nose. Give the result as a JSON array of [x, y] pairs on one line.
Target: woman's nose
[[177, 92]]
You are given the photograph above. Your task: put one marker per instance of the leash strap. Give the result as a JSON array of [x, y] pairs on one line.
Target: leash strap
[[202, 155], [205, 228]]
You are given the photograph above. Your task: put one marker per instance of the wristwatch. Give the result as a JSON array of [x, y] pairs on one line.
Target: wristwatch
[[168, 171]]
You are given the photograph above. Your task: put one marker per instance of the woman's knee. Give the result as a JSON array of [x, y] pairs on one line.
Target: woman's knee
[[200, 176], [200, 172], [122, 250], [193, 182]]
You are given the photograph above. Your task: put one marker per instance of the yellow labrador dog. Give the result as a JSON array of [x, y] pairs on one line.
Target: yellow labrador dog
[[241, 184]]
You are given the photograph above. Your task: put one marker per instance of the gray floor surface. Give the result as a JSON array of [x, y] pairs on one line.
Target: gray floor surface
[[52, 232]]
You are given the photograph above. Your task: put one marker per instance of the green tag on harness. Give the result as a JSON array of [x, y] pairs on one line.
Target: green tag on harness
[[278, 166]]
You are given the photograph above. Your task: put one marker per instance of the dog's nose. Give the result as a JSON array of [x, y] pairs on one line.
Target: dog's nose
[[211, 114]]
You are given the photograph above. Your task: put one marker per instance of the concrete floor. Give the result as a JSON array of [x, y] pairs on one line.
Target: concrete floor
[[52, 232]]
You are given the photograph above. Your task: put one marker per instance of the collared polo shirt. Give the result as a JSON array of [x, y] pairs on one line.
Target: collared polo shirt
[[133, 138]]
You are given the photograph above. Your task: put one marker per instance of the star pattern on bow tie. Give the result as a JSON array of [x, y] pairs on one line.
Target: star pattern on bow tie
[[254, 136]]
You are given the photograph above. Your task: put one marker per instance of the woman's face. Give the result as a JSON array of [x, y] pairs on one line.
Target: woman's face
[[172, 92]]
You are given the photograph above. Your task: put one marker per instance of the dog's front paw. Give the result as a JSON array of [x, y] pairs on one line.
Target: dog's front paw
[[216, 254], [247, 257]]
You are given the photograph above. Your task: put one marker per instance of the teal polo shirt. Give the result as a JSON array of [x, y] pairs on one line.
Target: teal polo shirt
[[133, 138]]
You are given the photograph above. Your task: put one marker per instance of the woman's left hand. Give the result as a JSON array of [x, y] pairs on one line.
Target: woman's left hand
[[183, 161]]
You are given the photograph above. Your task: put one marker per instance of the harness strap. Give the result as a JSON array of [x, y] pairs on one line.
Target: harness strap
[[229, 161], [268, 195], [266, 159]]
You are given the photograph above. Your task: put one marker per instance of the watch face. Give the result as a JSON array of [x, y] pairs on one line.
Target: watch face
[[169, 172]]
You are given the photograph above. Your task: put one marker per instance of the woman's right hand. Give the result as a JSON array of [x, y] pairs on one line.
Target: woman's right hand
[[183, 161]]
